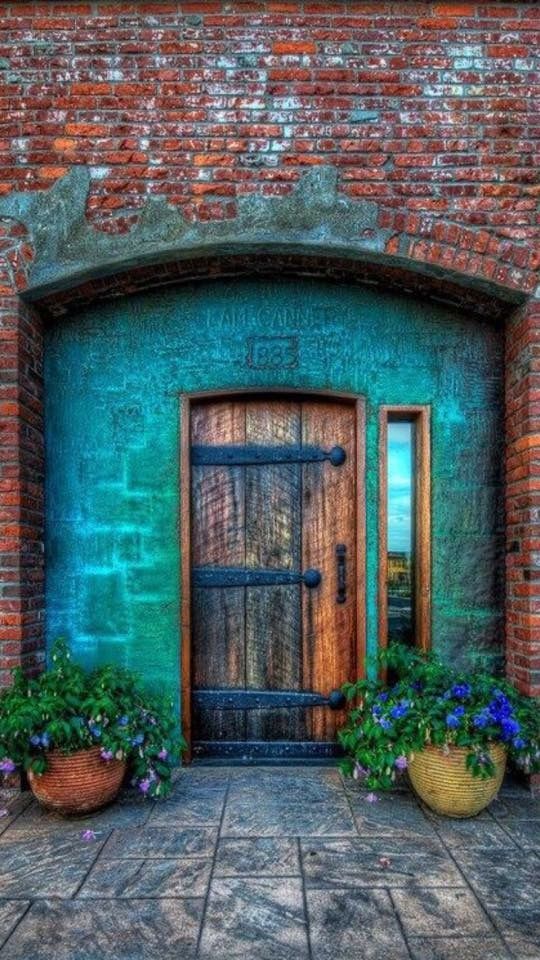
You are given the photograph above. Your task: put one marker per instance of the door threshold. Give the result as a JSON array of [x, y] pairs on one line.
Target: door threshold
[[264, 762]]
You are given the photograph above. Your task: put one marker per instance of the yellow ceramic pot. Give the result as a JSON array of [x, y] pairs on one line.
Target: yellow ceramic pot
[[444, 783]]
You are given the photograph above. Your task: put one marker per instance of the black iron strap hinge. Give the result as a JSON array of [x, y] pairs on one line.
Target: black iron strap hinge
[[244, 577], [244, 456], [266, 699]]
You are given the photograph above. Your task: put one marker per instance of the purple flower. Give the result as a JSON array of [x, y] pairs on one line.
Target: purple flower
[[163, 754], [7, 765], [88, 835], [359, 772], [144, 785], [461, 691], [371, 798], [400, 763], [107, 755]]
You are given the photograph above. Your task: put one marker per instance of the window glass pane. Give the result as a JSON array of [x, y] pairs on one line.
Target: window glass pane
[[400, 531]]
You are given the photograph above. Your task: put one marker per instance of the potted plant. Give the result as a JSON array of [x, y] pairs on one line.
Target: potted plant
[[452, 731], [76, 733]]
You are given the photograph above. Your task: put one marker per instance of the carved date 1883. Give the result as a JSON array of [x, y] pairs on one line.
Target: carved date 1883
[[265, 353]]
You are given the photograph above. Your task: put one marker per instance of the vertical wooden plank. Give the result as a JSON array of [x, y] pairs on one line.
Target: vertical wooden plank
[[360, 535], [218, 539], [329, 518], [273, 540]]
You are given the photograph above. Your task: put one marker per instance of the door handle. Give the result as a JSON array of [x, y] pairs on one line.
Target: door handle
[[341, 551]]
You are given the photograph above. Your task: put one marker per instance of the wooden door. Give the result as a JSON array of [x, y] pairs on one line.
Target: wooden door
[[274, 490]]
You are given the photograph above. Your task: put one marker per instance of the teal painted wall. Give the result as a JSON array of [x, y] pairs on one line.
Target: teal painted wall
[[113, 377]]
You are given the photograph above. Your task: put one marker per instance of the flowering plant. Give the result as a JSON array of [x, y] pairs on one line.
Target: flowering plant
[[67, 708], [428, 703]]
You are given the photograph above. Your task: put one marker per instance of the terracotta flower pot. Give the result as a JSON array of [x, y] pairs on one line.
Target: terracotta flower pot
[[445, 785], [77, 782]]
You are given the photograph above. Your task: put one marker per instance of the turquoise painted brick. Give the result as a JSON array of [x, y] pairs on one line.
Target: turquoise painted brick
[[114, 375]]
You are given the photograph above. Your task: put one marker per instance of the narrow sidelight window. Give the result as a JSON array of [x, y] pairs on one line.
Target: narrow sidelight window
[[404, 526]]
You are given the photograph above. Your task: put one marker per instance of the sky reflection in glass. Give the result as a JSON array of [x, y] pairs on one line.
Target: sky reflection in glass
[[400, 529]]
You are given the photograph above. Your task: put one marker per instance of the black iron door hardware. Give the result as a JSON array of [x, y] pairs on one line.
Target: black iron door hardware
[[341, 553], [266, 699], [244, 577], [244, 456]]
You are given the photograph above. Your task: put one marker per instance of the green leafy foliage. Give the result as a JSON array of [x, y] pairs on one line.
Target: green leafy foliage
[[69, 709], [429, 703]]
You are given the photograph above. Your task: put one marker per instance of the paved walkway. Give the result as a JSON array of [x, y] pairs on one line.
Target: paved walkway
[[287, 864]]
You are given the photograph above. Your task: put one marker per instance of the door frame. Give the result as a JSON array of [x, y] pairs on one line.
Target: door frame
[[187, 400]]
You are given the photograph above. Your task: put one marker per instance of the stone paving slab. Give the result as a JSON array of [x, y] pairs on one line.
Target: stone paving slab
[[11, 911], [458, 948], [378, 862], [44, 865], [426, 911], [147, 878], [107, 930], [257, 856], [472, 833], [500, 877], [354, 923], [271, 864], [262, 918], [172, 840]]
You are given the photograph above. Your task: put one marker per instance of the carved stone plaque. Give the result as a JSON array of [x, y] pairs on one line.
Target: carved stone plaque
[[266, 353]]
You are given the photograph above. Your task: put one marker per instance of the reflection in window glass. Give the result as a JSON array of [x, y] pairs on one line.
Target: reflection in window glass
[[400, 532]]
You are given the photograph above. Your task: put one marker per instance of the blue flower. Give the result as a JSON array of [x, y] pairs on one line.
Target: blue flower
[[400, 709], [45, 740], [519, 743], [123, 721], [35, 740], [481, 719], [500, 706], [417, 685], [453, 719], [95, 730], [136, 741], [385, 723], [461, 691], [383, 697], [509, 727]]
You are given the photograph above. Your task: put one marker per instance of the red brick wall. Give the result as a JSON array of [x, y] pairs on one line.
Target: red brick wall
[[523, 498], [21, 464], [430, 110]]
